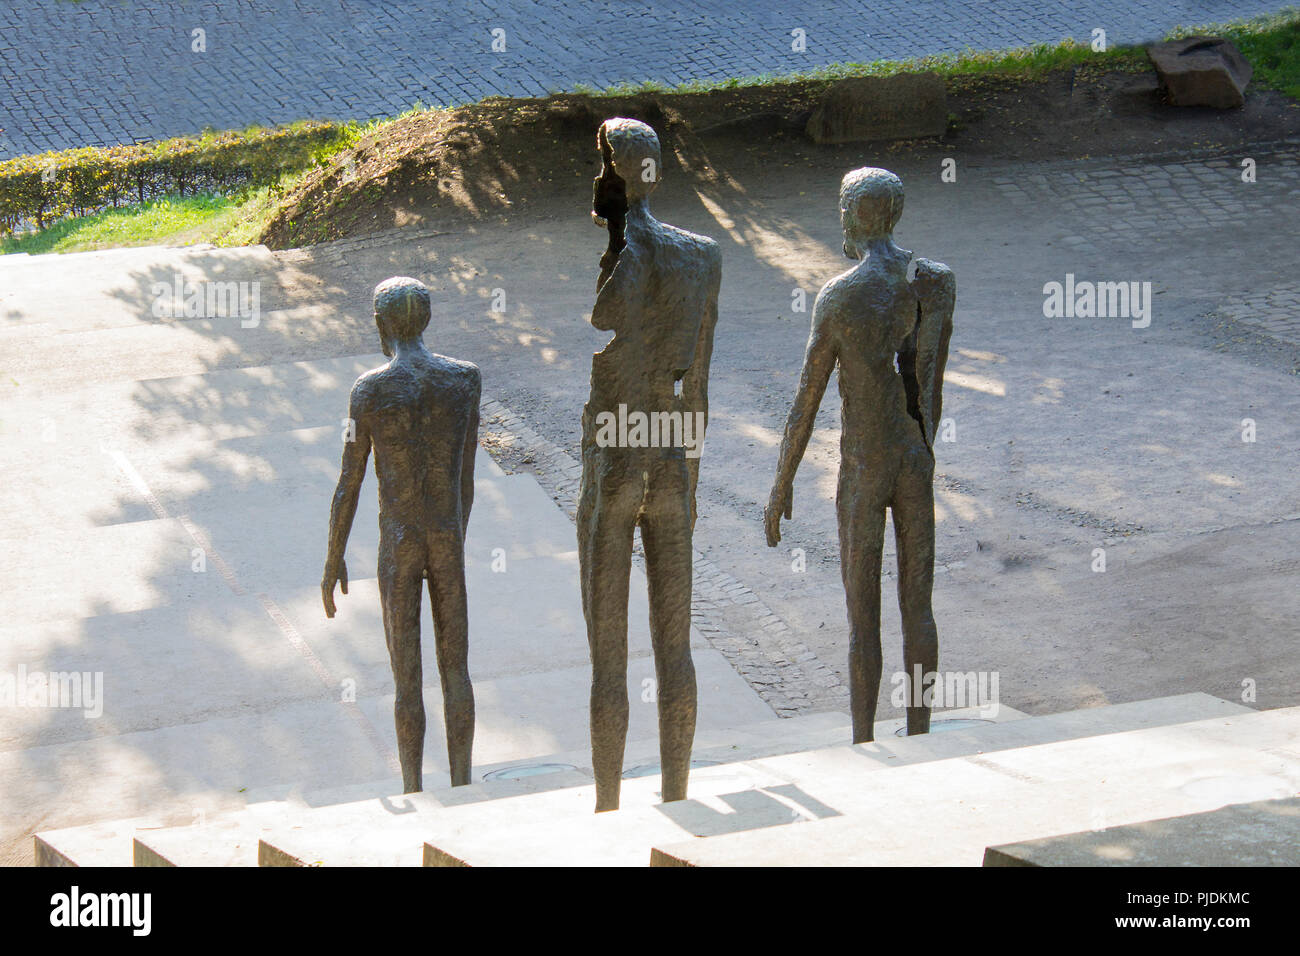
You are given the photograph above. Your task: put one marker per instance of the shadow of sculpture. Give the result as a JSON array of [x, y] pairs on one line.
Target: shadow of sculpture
[[753, 808]]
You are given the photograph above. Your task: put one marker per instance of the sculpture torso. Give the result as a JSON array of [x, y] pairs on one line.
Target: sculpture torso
[[871, 312], [411, 405], [661, 291]]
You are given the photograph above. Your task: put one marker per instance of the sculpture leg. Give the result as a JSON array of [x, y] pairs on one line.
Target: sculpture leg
[[666, 534], [400, 581], [862, 535], [451, 632], [605, 553], [913, 513]]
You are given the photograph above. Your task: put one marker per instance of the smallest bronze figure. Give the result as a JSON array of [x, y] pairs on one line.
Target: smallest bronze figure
[[889, 337], [420, 414]]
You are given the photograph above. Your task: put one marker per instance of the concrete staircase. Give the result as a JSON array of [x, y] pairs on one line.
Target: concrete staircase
[[222, 837], [780, 793]]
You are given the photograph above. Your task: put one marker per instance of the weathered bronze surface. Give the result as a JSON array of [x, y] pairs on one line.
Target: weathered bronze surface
[[889, 338], [420, 414], [658, 294]]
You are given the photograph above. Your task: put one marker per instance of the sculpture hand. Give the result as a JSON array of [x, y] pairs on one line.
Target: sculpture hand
[[780, 503], [333, 575]]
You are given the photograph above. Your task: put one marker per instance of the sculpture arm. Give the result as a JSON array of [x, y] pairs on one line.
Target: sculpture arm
[[936, 293], [469, 453], [818, 363], [356, 453], [695, 383], [610, 312]]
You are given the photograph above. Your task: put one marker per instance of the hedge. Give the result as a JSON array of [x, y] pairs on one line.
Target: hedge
[[43, 188]]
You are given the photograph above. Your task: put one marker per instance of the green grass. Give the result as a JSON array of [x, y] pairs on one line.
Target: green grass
[[143, 224], [220, 220], [1271, 43], [1022, 62], [232, 220]]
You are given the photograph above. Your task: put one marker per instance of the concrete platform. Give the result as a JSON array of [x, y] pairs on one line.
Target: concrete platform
[[1266, 833], [947, 812]]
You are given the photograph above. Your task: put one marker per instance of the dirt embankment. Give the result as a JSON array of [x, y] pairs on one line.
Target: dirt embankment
[[503, 157]]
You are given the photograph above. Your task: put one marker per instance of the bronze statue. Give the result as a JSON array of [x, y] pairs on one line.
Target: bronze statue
[[889, 338], [420, 413], [641, 433]]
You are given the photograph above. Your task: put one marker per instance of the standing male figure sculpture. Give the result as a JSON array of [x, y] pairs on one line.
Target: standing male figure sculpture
[[420, 414], [658, 294], [889, 338]]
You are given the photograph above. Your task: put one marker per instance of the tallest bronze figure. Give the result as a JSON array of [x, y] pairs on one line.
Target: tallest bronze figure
[[641, 432]]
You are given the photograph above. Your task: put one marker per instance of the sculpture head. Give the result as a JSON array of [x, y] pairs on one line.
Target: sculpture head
[[629, 149], [871, 202], [401, 311]]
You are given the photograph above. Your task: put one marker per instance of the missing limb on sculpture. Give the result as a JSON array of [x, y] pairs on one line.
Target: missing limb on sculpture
[[889, 338], [420, 415], [641, 433]]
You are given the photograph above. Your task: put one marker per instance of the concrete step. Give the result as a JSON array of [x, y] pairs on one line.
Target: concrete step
[[232, 840], [770, 772], [99, 844], [559, 828], [948, 812]]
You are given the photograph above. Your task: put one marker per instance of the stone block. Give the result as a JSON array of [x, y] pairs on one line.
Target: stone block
[[1201, 71], [867, 108]]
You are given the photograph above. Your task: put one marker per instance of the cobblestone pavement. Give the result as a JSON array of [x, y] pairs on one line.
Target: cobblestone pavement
[[1275, 312], [1124, 204], [105, 71], [1113, 209]]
